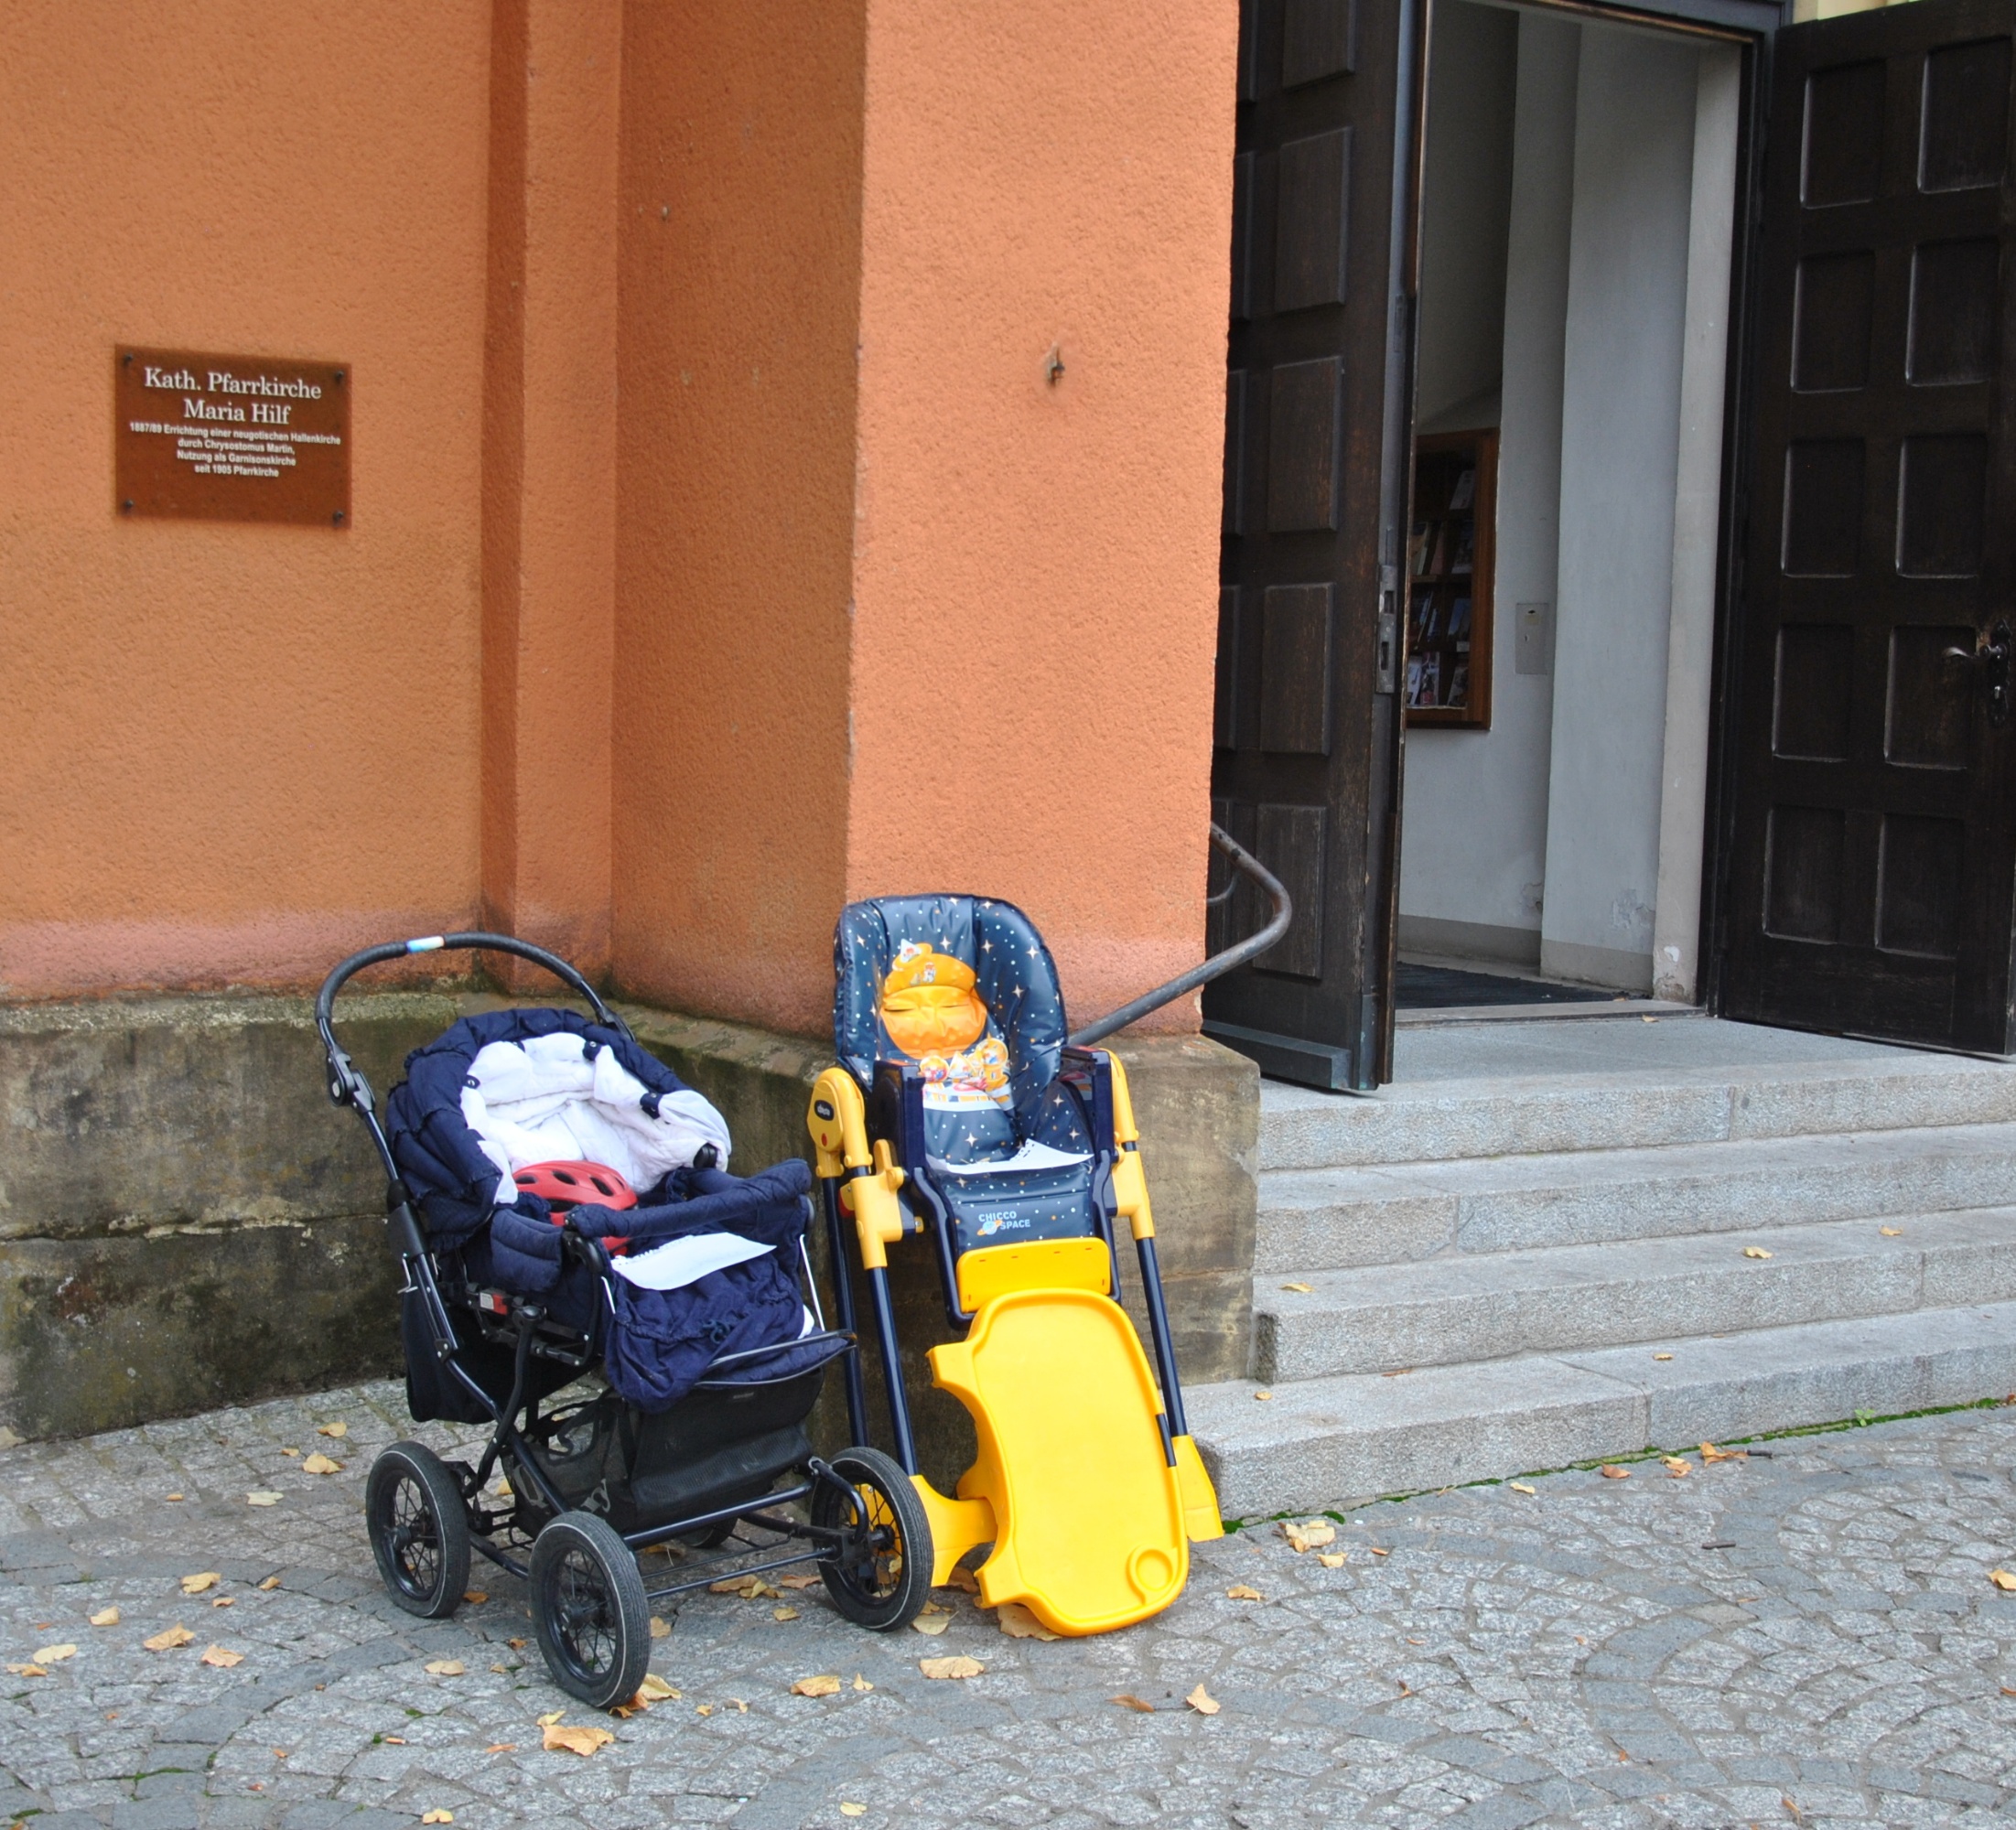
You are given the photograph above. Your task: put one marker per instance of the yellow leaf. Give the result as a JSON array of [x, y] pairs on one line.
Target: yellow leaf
[[1377, 1552], [783, 1613], [583, 1741], [1520, 1487], [933, 1624], [1299, 1289], [847, 1810], [1240, 1592], [1135, 1703], [271, 1582], [1889, 1231], [55, 1654], [338, 1429], [824, 1685], [654, 1689], [1331, 1559], [438, 1817], [1676, 1468], [1204, 1702], [1309, 1536], [2002, 1578], [168, 1638], [703, 1709], [750, 1588], [800, 1581], [501, 1747], [1755, 1251], [661, 1628], [260, 1499], [476, 1597], [223, 1601], [959, 1666], [1662, 1356], [963, 1579], [173, 1497], [321, 1464], [547, 1720], [105, 1617], [220, 1657], [195, 1585], [293, 1453], [1611, 1471], [1711, 1453], [446, 1668], [395, 1740], [27, 1670], [1019, 1623], [861, 1683]]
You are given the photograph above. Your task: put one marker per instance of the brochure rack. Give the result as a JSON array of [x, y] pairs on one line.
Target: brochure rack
[[1449, 565]]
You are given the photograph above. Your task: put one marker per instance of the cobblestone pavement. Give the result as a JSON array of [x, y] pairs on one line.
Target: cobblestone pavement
[[1811, 1640]]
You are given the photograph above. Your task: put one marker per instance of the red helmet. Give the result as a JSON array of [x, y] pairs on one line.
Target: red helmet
[[563, 1185]]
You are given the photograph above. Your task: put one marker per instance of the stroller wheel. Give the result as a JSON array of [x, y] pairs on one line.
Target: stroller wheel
[[884, 1579], [419, 1530], [589, 1608]]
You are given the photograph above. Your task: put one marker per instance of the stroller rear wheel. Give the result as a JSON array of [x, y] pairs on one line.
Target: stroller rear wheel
[[590, 1610], [882, 1579], [419, 1530]]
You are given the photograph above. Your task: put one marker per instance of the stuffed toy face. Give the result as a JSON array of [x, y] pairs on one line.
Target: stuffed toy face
[[929, 1003]]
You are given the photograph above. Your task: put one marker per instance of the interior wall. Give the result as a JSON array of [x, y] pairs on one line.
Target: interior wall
[[1620, 450], [1474, 835]]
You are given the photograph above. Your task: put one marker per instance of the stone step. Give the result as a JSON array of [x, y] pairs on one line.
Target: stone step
[[1443, 1311], [1324, 1442], [1329, 1220], [1442, 1120]]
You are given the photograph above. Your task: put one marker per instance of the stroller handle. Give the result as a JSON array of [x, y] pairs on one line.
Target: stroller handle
[[325, 999]]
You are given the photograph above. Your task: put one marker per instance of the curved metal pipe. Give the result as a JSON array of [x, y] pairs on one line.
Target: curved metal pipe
[[1218, 964]]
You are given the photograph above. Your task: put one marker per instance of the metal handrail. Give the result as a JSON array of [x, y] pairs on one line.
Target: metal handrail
[[1218, 964]]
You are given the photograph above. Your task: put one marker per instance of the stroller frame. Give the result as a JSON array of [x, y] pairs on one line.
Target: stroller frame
[[865, 1525]]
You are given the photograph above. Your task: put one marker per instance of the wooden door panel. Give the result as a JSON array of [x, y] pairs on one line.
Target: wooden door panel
[[1873, 847]]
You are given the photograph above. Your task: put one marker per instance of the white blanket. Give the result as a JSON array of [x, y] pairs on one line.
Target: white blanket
[[543, 1101]]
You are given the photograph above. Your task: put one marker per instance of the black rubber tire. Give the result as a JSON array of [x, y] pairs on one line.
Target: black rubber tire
[[888, 1588], [710, 1536], [589, 1610], [419, 1530]]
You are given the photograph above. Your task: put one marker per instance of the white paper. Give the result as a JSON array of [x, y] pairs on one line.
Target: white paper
[[680, 1262]]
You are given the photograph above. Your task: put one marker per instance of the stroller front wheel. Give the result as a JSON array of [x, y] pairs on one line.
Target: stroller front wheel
[[589, 1608], [419, 1530], [880, 1576]]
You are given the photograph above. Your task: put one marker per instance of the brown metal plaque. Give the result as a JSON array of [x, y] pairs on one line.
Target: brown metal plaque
[[200, 436]]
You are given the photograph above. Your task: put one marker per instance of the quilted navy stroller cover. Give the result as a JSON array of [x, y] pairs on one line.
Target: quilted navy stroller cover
[[506, 1088]]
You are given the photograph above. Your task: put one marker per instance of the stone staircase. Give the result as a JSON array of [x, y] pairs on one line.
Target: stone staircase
[[1496, 1248]]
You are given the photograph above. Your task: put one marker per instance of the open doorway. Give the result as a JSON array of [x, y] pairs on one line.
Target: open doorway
[[1578, 222]]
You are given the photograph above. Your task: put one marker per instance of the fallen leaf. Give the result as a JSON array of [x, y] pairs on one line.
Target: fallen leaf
[[933, 1624], [783, 1613], [963, 1579], [1204, 1702], [547, 1720], [271, 1582], [824, 1685], [438, 1817], [279, 1753], [1889, 1231], [957, 1666], [223, 1601], [1662, 1356], [338, 1428], [476, 1597], [168, 1638], [1135, 1703], [27, 1670], [1676, 1468], [1240, 1592], [750, 1588], [739, 1705], [1019, 1623], [1330, 1559], [1406, 1689], [1520, 1487], [1755, 1251], [847, 1810], [174, 1498], [223, 1658], [501, 1747], [1611, 1471], [1309, 1536], [1377, 1552], [1261, 1397], [1711, 1453], [934, 1608], [861, 1683], [661, 1628], [446, 1668], [654, 1689], [261, 1499], [2002, 1579], [105, 1617], [703, 1709], [321, 1464], [1299, 1289], [519, 1645], [583, 1739], [504, 1670], [395, 1740], [1398, 1372], [800, 1582], [195, 1585], [295, 1453]]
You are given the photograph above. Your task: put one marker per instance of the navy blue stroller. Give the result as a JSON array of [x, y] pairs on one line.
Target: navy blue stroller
[[681, 1295]]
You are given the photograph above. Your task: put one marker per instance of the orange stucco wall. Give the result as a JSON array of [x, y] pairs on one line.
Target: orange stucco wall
[[230, 749]]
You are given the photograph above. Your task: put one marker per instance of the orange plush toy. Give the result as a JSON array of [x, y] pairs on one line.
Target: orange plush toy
[[928, 1004]]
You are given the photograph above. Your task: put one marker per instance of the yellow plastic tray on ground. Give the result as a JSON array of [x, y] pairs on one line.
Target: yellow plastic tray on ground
[[1088, 1513]]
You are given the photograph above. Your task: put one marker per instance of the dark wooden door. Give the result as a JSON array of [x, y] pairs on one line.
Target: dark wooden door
[[1317, 426], [1873, 844]]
